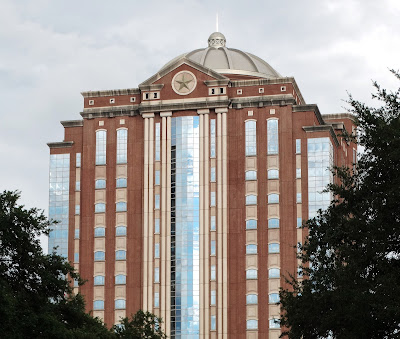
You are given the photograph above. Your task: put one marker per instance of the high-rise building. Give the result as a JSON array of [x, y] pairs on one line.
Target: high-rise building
[[184, 196]]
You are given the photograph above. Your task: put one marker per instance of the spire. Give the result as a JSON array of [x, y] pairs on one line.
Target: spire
[[216, 26]]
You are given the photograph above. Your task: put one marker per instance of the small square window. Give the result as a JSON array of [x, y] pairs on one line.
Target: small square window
[[250, 113], [101, 123], [122, 121], [261, 90], [112, 101], [132, 99], [91, 102], [146, 96], [239, 91], [221, 90], [155, 95], [272, 111], [283, 88], [211, 91]]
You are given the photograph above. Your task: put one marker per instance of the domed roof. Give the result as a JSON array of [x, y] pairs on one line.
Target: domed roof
[[228, 60]]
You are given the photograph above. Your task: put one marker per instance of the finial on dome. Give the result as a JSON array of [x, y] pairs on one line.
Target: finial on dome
[[216, 40]]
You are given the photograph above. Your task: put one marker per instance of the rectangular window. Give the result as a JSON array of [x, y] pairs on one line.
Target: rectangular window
[[213, 248], [78, 159], [250, 138], [213, 275], [157, 226], [156, 299], [213, 223], [299, 222], [212, 175], [298, 173], [77, 186], [158, 141], [212, 199], [76, 257], [213, 297], [157, 178], [156, 274], [157, 250], [212, 138], [298, 198], [101, 143], [122, 146], [272, 136], [76, 233], [157, 202], [77, 209], [298, 146], [213, 323]]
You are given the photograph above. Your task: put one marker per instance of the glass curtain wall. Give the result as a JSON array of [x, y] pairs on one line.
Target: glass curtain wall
[[320, 161], [58, 203], [185, 232]]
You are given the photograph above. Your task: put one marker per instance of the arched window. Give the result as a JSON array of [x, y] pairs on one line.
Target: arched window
[[274, 323], [99, 280], [251, 199], [121, 182], [273, 174], [273, 223], [99, 256], [273, 298], [98, 305], [272, 136], [120, 304], [99, 208], [251, 224], [120, 230], [251, 175], [120, 255], [251, 249], [251, 137], [252, 324], [122, 146], [101, 143], [99, 232], [274, 273], [273, 198], [251, 274], [251, 299], [120, 279], [100, 184], [273, 247], [121, 207]]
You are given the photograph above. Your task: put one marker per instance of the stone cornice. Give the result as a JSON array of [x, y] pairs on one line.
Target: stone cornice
[[61, 144], [307, 108], [323, 128], [109, 112], [210, 83], [264, 100], [152, 87], [173, 105], [339, 116], [112, 92], [72, 123]]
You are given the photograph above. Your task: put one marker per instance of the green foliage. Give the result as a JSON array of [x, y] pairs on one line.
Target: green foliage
[[36, 299], [142, 325], [351, 287]]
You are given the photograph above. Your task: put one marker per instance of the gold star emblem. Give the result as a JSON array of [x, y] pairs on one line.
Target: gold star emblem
[[184, 83]]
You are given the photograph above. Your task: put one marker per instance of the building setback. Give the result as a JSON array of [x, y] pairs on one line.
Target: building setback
[[184, 196]]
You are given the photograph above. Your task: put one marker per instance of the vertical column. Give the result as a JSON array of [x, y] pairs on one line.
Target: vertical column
[[145, 210], [203, 302], [151, 215], [168, 232], [206, 267], [163, 212], [225, 223]]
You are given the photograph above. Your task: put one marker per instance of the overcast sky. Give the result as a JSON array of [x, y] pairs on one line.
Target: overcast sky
[[50, 51]]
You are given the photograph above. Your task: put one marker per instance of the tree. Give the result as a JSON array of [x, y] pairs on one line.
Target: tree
[[351, 260], [142, 325]]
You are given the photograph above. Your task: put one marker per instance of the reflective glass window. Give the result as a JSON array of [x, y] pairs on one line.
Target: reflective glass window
[[274, 323], [156, 250], [251, 175], [252, 324], [212, 138], [76, 257], [78, 159], [273, 247], [213, 223], [77, 209], [212, 175], [299, 272], [213, 297], [274, 273], [121, 207], [100, 184], [120, 279], [99, 208], [251, 224], [120, 255], [299, 222], [122, 146], [120, 230], [251, 274], [157, 142], [251, 249], [213, 275], [213, 247], [98, 305], [99, 232], [99, 280], [77, 186], [272, 136], [157, 225], [298, 173], [76, 283], [101, 143], [251, 200], [273, 223], [212, 199], [213, 323], [298, 198], [121, 183], [251, 299], [157, 202], [273, 198], [76, 233], [298, 146], [120, 304], [250, 138], [273, 174], [273, 298], [156, 299], [99, 256], [156, 274], [157, 177]]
